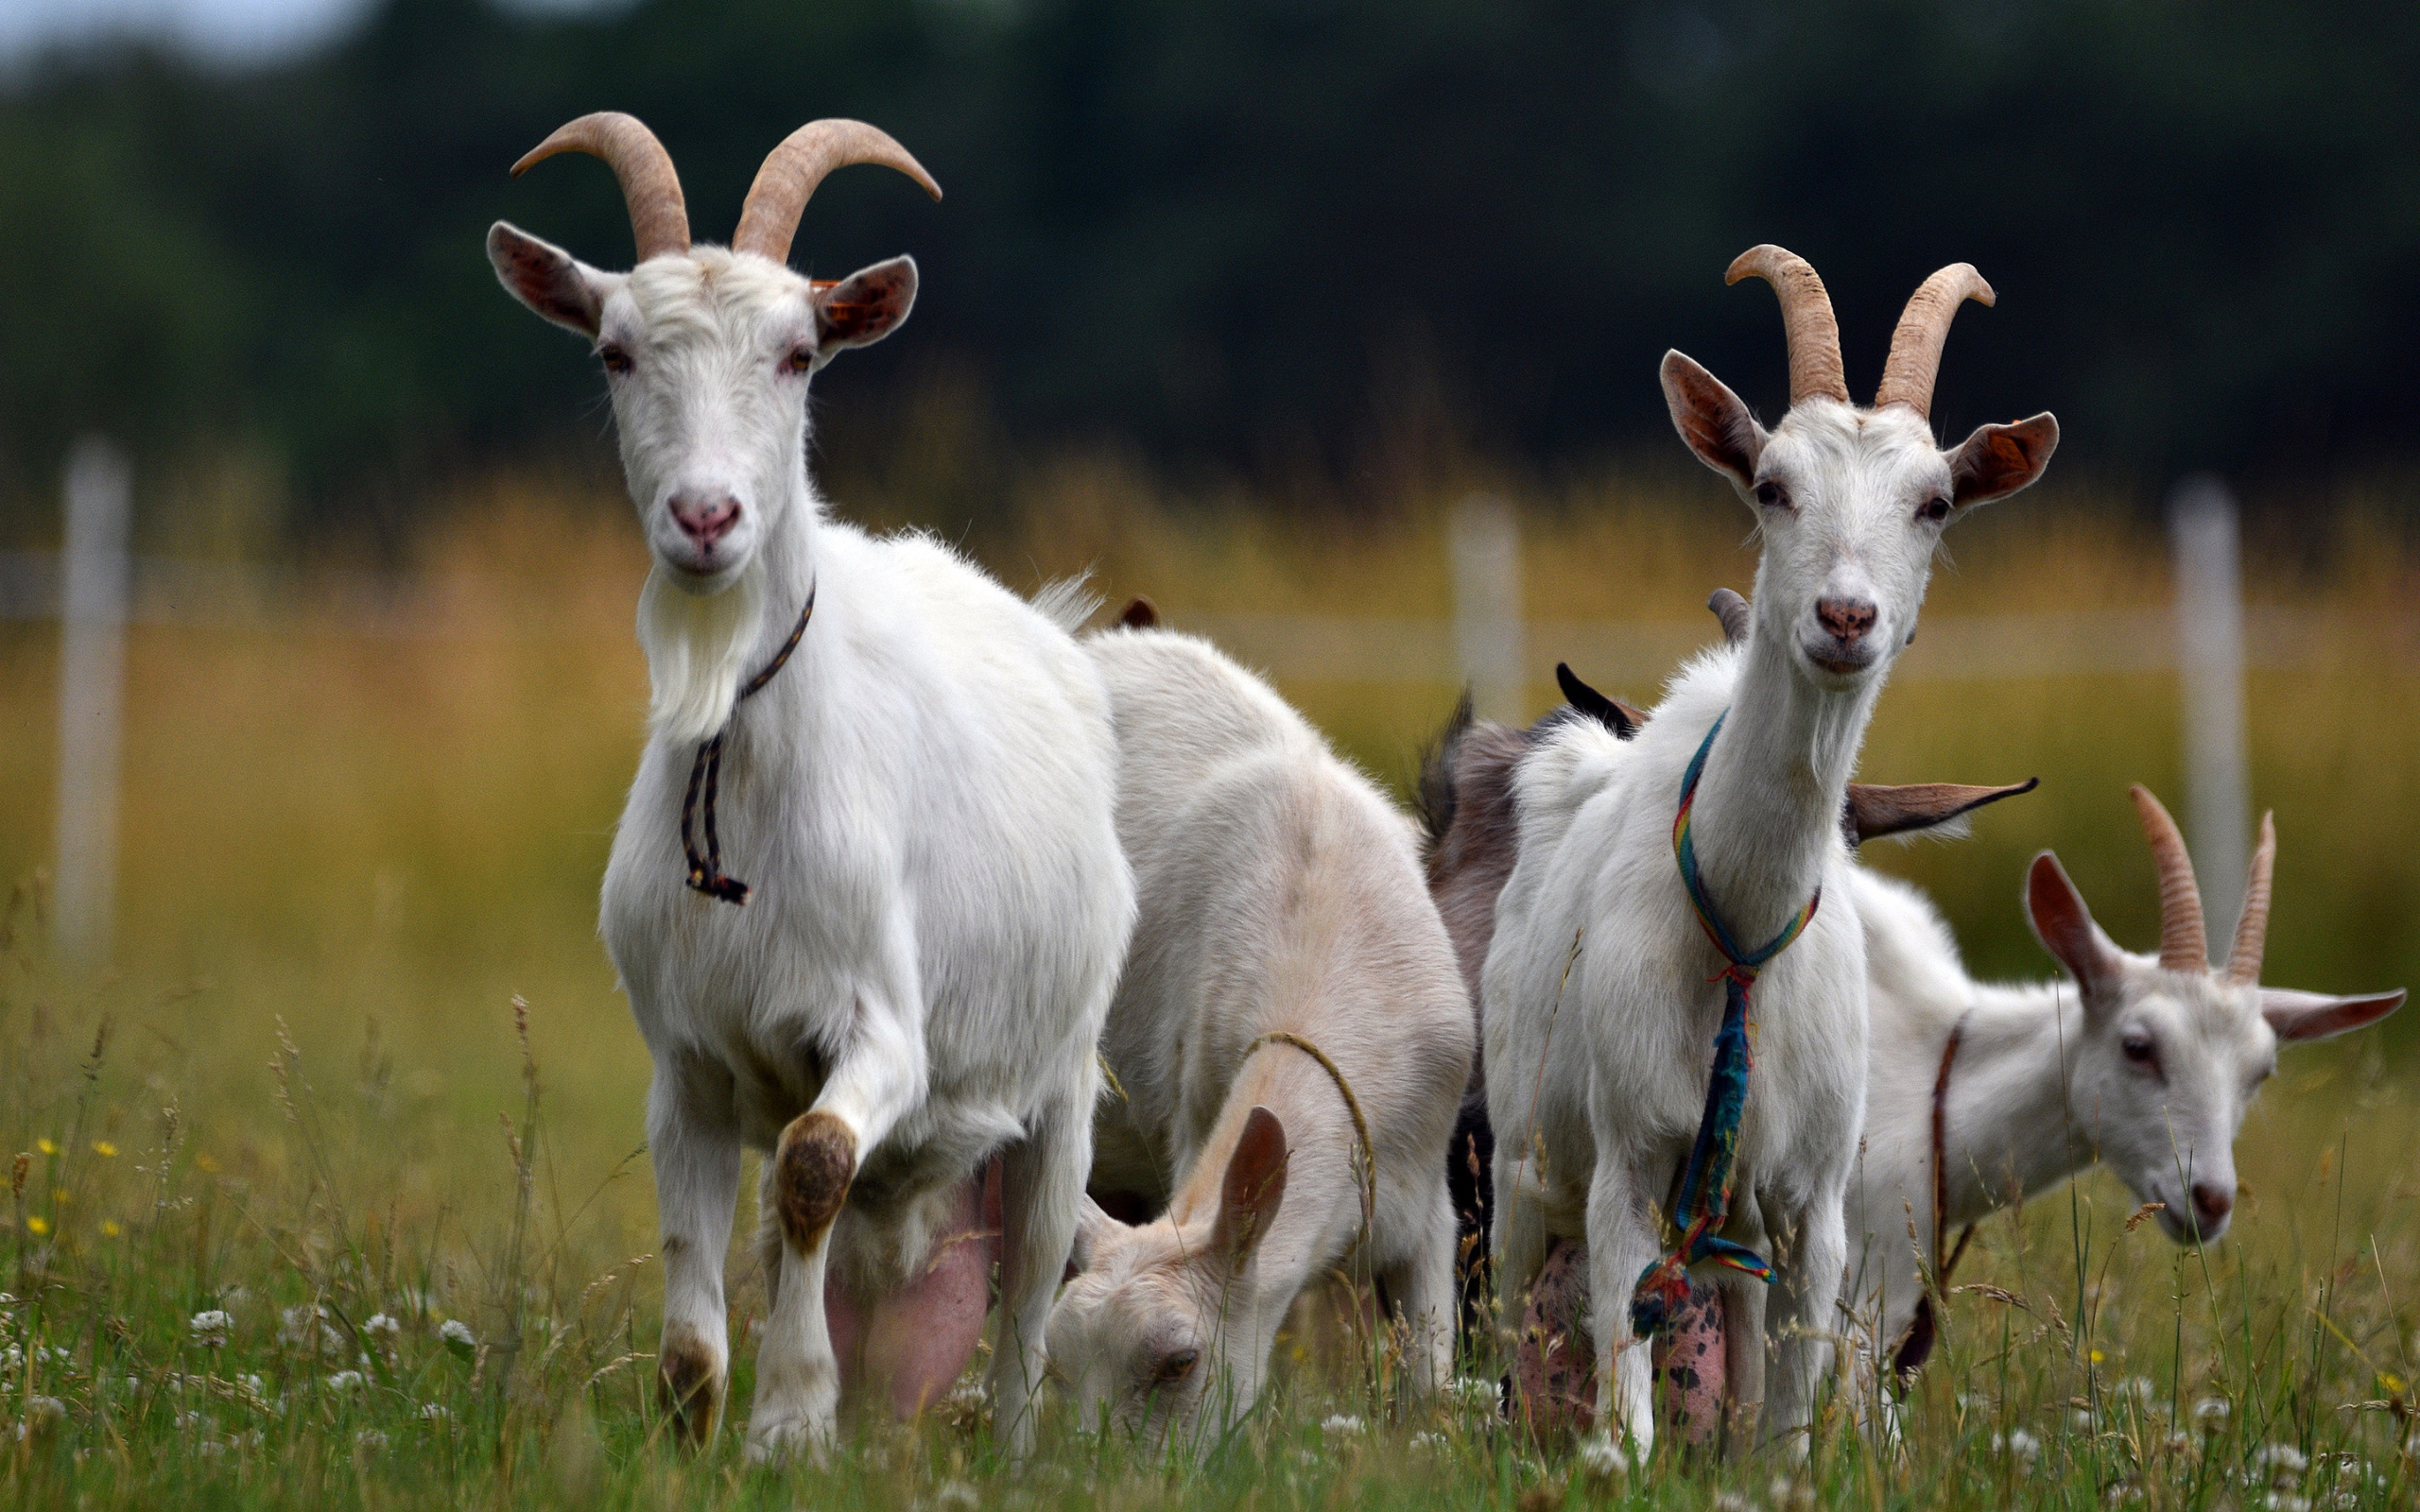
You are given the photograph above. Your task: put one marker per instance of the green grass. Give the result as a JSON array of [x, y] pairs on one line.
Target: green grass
[[304, 1083]]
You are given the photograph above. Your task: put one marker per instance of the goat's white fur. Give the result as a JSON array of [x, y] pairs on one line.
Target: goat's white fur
[[2040, 1089], [1596, 1085], [922, 800], [1279, 891]]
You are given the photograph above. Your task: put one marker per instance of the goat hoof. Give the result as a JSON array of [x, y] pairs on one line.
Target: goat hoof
[[813, 1164], [689, 1385], [788, 1440]]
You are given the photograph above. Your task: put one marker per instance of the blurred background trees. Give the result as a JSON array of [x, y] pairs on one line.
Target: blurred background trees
[[1240, 238]]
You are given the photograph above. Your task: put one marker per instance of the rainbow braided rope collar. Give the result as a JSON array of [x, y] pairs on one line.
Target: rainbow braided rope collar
[[1704, 1202]]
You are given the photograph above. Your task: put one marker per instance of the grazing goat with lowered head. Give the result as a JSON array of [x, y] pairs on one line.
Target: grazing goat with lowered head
[[1613, 969], [1290, 1009], [916, 772]]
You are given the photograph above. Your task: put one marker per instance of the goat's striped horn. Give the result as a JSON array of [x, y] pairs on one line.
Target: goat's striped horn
[[2182, 947], [659, 215], [769, 219], [1914, 362], [2252, 934], [1807, 320]]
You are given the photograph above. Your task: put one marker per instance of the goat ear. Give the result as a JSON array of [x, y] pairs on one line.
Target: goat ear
[[1096, 1230], [864, 307], [1875, 811], [1253, 1188], [2298, 1016], [552, 283], [1997, 460], [1613, 714], [2065, 925], [1712, 420]]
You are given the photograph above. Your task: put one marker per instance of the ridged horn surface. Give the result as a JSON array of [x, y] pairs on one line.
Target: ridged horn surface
[[1807, 320], [1914, 362], [2251, 933], [650, 188], [2183, 946], [769, 219]]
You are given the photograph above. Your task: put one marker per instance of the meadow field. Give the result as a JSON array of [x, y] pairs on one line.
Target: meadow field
[[331, 1192]]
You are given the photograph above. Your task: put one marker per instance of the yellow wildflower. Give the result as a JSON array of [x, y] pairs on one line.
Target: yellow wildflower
[[37, 1225], [46, 1146], [205, 1162], [104, 1149], [109, 1228]]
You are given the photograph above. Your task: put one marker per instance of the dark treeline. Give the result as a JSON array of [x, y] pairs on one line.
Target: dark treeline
[[1251, 236]]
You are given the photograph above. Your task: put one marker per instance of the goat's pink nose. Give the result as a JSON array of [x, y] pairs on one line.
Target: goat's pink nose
[[2211, 1204], [705, 518], [1846, 618]]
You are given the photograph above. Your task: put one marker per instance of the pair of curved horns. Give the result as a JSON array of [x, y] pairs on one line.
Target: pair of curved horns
[[767, 219], [1814, 335], [2183, 946]]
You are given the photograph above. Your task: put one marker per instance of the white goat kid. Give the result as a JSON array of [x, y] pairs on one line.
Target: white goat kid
[[1597, 940], [924, 801], [2149, 1064], [1283, 917]]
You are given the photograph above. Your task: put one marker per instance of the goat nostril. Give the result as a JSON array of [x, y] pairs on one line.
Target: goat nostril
[[708, 520], [2212, 1204], [1846, 618]]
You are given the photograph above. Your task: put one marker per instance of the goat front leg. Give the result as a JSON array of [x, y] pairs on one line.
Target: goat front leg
[[1621, 1242], [1802, 1321], [1743, 1327], [1420, 1284], [874, 1083], [1042, 1190], [694, 1144]]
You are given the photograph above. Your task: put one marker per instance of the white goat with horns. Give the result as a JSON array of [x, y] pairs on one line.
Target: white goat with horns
[[2150, 1065], [1598, 940], [924, 801]]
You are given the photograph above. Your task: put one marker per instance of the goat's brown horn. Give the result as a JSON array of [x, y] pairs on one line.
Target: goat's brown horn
[[769, 217], [1806, 319], [658, 216], [1732, 612], [1914, 362], [2182, 947], [2252, 934]]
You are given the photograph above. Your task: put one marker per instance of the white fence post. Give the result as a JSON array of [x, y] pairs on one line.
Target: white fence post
[[92, 679], [2204, 535], [1483, 538]]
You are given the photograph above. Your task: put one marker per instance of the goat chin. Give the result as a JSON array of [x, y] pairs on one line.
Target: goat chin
[[696, 648]]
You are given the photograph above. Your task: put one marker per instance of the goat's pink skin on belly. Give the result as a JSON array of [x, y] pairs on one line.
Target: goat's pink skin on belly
[[1556, 1368], [913, 1346]]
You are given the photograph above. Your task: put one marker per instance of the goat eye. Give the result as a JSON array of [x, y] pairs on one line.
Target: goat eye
[[616, 361], [800, 360], [1772, 495], [2139, 1050], [1935, 510], [1175, 1368]]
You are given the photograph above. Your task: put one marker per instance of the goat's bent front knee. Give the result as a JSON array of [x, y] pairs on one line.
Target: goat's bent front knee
[[812, 1166]]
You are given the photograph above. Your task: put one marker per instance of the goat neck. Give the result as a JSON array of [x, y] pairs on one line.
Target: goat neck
[[1767, 815], [2008, 1089]]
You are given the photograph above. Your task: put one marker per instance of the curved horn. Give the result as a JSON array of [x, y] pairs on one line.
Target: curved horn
[[2182, 945], [769, 217], [1806, 319], [1915, 347], [2252, 934], [658, 216]]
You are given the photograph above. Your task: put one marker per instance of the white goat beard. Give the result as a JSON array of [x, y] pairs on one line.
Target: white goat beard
[[696, 647]]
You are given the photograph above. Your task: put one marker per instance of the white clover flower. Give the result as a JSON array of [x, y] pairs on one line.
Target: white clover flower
[[1603, 1459], [1732, 1501], [1342, 1425], [457, 1332], [2210, 1413], [194, 1422], [2080, 1420], [2280, 1458], [957, 1494], [41, 1414], [2123, 1493], [1429, 1441], [253, 1387], [210, 1328], [1473, 1391], [371, 1439], [435, 1412], [305, 1325], [2018, 1442], [346, 1381], [210, 1449], [2138, 1388], [1786, 1492], [382, 1327], [2286, 1502], [2179, 1442]]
